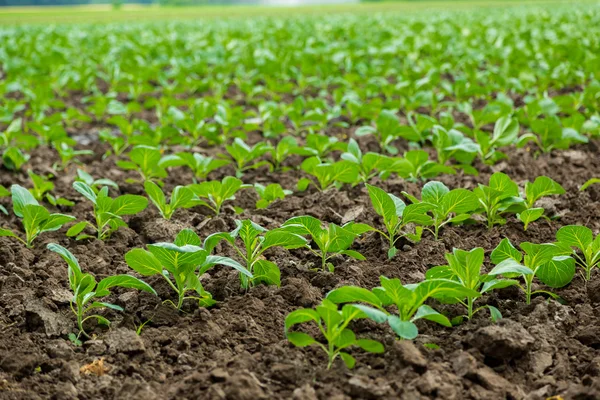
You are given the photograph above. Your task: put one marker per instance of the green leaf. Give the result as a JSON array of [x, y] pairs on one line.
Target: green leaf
[[370, 312], [21, 197], [404, 329], [495, 314], [530, 215], [382, 203], [505, 250], [348, 359], [506, 131], [6, 232], [125, 281], [354, 254], [510, 266], [541, 187], [350, 294], [428, 313], [372, 346], [301, 316], [300, 339], [433, 192], [187, 236], [75, 274], [129, 204], [86, 191], [283, 238], [143, 262], [157, 196], [558, 272], [577, 236], [458, 201], [266, 272]]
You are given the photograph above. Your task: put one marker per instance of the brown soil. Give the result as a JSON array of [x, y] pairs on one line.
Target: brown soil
[[237, 349]]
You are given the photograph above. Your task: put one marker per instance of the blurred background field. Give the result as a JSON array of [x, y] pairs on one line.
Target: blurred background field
[[176, 9]]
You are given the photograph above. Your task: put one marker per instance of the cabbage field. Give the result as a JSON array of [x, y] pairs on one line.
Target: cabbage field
[[351, 205]]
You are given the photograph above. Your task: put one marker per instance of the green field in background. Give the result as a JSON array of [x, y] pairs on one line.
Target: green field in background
[[105, 14]]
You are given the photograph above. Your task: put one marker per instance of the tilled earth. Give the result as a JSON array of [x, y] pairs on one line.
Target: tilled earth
[[237, 349]]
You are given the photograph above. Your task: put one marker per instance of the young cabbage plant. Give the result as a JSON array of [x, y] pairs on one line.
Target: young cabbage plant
[[506, 131], [464, 267], [256, 240], [447, 206], [181, 197], [581, 238], [330, 241], [200, 165], [213, 194], [286, 147], [42, 186], [328, 175], [95, 184], [396, 216], [320, 146], [268, 194], [387, 129], [549, 134], [333, 325], [369, 165], [68, 155], [247, 157], [108, 212], [453, 144], [501, 196], [541, 187], [146, 161], [87, 292], [4, 192], [416, 165], [181, 264], [36, 219], [409, 301], [548, 262]]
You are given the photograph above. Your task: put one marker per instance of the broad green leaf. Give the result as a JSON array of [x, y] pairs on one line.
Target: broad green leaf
[[404, 329], [382, 203], [125, 281], [266, 272], [143, 262], [156, 195], [558, 272], [541, 187], [458, 201], [283, 238], [300, 339], [187, 236], [504, 251], [75, 273], [348, 360], [428, 313], [530, 215], [433, 192], [300, 316], [372, 346], [370, 312], [85, 191], [129, 204], [510, 266], [218, 260], [6, 232], [575, 236], [354, 254], [350, 294], [21, 197]]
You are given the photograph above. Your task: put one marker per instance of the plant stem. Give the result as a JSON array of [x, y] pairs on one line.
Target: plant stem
[[470, 301]]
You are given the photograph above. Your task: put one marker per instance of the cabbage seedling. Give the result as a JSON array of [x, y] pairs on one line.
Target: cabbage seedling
[[447, 206], [181, 264], [181, 197], [541, 187], [582, 239], [397, 215], [464, 267], [408, 299], [327, 175], [256, 240], [246, 157], [331, 241], [501, 196], [549, 262], [34, 217], [369, 164], [146, 161], [333, 325], [213, 194], [86, 291], [200, 165], [268, 194], [108, 212]]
